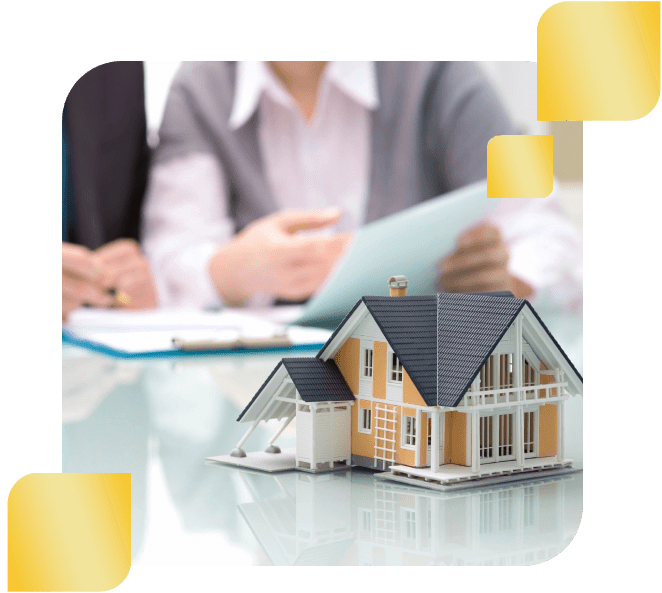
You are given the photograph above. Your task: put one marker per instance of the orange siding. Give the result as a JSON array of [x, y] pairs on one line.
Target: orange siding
[[455, 445], [364, 444], [379, 370], [348, 360], [547, 435], [410, 394]]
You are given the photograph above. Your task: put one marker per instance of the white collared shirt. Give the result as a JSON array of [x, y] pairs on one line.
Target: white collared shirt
[[312, 164], [323, 162]]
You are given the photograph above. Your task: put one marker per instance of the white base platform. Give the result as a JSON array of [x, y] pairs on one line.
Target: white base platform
[[266, 462], [452, 477], [449, 477], [272, 462]]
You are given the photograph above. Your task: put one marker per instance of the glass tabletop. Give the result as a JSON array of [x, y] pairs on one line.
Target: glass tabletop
[[160, 418]]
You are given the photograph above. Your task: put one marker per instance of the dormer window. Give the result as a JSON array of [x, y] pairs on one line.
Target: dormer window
[[395, 369], [367, 363]]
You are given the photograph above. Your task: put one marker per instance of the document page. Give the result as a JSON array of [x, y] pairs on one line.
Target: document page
[[410, 243]]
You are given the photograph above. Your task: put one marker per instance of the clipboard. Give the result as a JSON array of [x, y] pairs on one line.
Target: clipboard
[[182, 332], [242, 343]]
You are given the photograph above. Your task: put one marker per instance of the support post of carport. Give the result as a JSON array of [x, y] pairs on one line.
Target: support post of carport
[[238, 451], [283, 425]]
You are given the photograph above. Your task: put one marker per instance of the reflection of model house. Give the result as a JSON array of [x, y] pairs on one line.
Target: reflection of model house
[[349, 518], [440, 389]]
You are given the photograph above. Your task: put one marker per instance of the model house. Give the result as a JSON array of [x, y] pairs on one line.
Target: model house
[[435, 390]]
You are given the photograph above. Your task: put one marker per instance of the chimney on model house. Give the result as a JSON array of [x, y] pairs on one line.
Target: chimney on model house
[[397, 286]]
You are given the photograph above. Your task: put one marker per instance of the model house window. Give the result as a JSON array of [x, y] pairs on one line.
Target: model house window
[[367, 363], [365, 420], [429, 432], [486, 448], [486, 375], [395, 371], [409, 432], [506, 370], [529, 434], [496, 434], [505, 435]]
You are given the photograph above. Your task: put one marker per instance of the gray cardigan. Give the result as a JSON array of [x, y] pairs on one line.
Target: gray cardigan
[[429, 133]]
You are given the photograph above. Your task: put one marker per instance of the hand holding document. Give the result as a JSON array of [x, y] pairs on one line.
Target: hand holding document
[[275, 255], [409, 243]]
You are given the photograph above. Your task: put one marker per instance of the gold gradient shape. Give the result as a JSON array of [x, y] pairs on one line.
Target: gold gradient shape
[[598, 61], [69, 532], [520, 166]]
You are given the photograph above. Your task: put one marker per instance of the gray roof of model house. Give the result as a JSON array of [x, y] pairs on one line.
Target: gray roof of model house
[[442, 340], [316, 381]]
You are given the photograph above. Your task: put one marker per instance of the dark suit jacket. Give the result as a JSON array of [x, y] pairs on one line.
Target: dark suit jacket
[[107, 141]]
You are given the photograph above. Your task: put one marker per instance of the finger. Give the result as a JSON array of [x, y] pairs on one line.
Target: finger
[[300, 220], [302, 281], [461, 261], [311, 247], [84, 292], [118, 250], [79, 261], [137, 290], [301, 286], [68, 305], [482, 234], [113, 273], [488, 279]]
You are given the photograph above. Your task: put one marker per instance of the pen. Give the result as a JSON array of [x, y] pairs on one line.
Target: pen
[[121, 297]]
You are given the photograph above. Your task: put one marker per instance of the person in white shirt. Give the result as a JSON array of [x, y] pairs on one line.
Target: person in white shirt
[[253, 153]]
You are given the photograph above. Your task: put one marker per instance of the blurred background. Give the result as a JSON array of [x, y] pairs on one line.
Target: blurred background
[[515, 83]]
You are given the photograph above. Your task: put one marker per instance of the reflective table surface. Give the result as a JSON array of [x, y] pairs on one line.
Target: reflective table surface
[[160, 418]]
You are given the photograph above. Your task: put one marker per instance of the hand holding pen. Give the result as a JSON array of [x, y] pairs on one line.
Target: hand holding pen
[[115, 275]]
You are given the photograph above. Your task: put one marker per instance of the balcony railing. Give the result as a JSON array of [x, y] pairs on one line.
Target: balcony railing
[[510, 395]]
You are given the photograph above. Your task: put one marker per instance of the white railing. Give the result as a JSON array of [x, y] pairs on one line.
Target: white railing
[[513, 395]]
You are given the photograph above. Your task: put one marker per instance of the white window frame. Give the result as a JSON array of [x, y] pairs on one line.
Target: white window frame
[[406, 434], [367, 363], [506, 360], [535, 429], [395, 366], [497, 450], [362, 417]]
